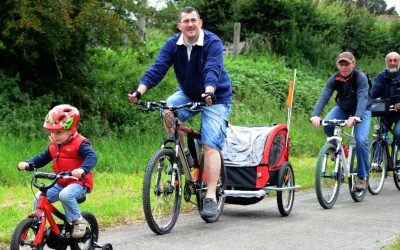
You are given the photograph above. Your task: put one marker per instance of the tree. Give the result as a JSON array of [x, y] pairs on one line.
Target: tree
[[46, 42]]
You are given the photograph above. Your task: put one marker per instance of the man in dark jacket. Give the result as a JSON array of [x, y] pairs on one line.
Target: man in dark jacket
[[386, 86], [352, 103]]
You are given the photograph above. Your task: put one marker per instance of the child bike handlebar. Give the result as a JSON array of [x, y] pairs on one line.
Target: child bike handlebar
[[51, 176]]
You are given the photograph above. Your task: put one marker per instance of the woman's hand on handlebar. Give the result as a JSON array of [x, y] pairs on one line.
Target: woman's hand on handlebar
[[315, 121]]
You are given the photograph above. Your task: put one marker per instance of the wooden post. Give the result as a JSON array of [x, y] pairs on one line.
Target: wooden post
[[236, 39], [142, 23]]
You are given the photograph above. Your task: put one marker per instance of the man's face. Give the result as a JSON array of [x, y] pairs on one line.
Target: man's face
[[345, 68], [392, 63], [190, 26]]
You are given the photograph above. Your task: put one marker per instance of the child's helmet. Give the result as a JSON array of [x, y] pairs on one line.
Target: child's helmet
[[62, 117]]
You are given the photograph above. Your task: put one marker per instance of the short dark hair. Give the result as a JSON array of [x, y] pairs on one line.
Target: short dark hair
[[188, 9]]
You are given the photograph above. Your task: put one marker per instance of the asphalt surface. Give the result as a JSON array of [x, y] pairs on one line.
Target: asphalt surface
[[371, 224]]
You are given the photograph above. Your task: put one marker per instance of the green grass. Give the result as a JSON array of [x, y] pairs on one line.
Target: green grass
[[116, 198]]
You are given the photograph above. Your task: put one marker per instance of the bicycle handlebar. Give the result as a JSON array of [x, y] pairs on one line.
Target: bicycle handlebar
[[152, 106], [388, 100], [49, 176], [336, 122]]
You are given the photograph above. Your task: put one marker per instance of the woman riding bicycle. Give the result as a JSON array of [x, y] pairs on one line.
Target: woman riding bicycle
[[69, 151], [387, 85], [352, 103], [197, 57]]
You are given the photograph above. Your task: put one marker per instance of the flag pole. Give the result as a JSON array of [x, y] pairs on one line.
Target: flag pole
[[289, 102]]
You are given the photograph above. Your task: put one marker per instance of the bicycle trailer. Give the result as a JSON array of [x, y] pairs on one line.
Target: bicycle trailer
[[257, 161]]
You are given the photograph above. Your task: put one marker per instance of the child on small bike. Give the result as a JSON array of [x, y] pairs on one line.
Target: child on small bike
[[69, 151]]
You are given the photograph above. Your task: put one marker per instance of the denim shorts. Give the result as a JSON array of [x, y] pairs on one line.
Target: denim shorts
[[214, 119]]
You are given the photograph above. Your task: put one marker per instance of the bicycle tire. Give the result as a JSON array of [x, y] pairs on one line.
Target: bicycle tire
[[91, 235], [285, 198], [357, 196], [24, 230], [161, 202], [396, 172], [378, 163], [221, 186], [327, 183]]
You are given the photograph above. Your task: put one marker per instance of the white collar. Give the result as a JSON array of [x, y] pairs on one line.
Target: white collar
[[200, 41]]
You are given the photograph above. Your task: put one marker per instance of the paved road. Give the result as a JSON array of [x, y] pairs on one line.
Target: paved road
[[370, 224]]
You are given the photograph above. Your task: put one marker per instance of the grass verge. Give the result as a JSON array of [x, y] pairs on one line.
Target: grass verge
[[115, 200]]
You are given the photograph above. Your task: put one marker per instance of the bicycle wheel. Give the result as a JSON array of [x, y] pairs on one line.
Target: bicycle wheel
[[378, 162], [327, 182], [396, 166], [24, 234], [91, 235], [201, 192], [357, 196], [285, 198], [161, 197]]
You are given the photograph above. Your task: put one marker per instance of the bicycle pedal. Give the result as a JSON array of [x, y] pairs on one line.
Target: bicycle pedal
[[374, 165]]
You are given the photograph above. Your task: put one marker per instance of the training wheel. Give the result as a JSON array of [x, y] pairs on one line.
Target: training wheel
[[107, 246]]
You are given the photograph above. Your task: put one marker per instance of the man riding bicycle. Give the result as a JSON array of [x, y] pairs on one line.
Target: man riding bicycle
[[352, 103], [386, 85], [197, 57]]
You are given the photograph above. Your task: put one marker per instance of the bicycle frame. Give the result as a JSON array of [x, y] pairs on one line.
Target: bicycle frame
[[340, 151], [338, 135], [44, 211]]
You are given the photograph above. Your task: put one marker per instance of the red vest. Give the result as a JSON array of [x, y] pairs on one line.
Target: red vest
[[66, 158]]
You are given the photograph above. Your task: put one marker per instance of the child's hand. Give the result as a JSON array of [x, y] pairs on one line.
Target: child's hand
[[77, 172], [22, 165]]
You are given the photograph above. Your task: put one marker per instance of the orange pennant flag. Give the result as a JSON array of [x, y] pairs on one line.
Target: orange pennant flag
[[289, 100]]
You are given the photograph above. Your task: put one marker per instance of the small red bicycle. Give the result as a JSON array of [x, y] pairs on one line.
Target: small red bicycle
[[33, 233]]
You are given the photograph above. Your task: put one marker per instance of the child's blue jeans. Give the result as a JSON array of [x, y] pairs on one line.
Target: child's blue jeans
[[68, 197]]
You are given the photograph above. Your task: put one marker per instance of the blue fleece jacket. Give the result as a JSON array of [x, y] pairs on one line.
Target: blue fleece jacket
[[85, 150], [205, 68]]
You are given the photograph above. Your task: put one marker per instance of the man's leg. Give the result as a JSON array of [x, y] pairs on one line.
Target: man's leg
[[214, 120], [361, 136], [396, 132], [212, 166]]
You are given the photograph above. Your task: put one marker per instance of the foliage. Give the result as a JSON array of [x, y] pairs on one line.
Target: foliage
[[304, 29], [45, 42]]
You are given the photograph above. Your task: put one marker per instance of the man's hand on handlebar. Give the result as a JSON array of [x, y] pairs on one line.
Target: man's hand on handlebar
[[397, 106], [315, 121], [134, 96], [352, 120], [209, 97]]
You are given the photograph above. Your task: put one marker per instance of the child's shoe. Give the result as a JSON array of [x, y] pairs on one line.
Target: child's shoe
[[79, 228]]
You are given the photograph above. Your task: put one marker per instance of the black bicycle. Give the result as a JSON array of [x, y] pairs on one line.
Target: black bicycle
[[381, 159], [172, 172]]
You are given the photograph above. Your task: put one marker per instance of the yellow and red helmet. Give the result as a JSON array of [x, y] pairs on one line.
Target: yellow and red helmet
[[62, 117]]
